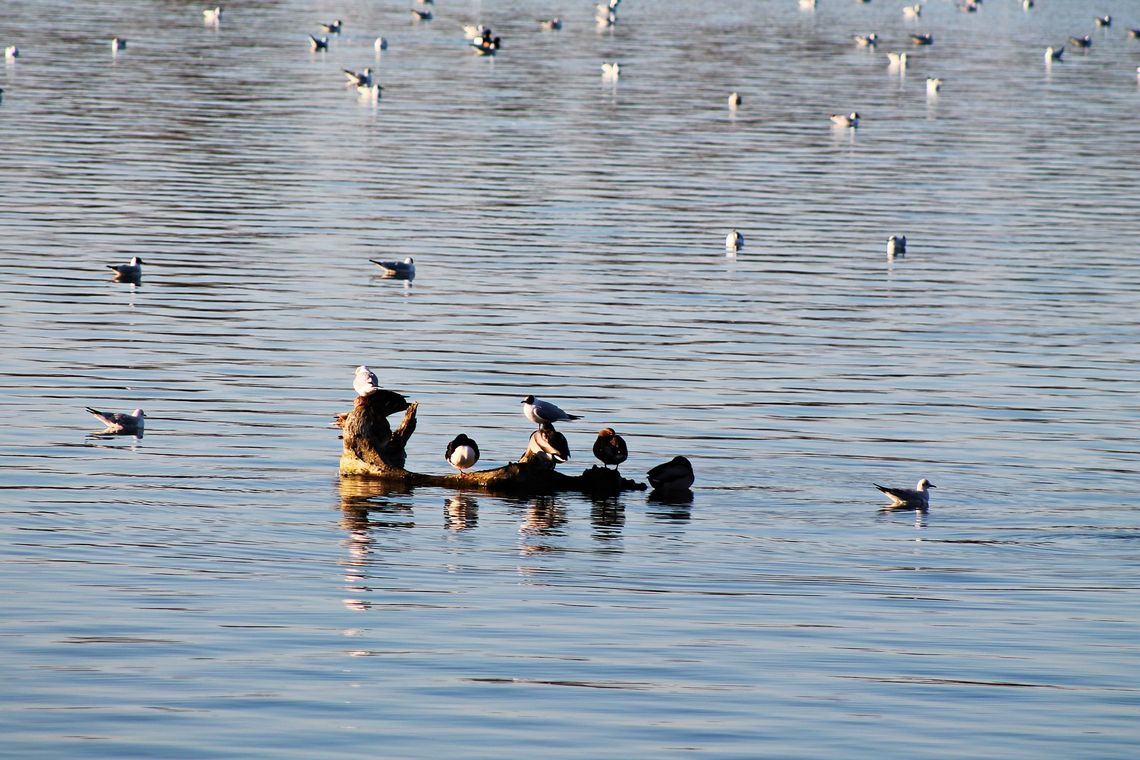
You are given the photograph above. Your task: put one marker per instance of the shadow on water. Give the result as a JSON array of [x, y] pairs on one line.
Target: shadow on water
[[670, 505]]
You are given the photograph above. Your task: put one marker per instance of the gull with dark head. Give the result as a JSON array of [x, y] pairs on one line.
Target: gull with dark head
[[118, 423], [674, 475], [543, 412], [462, 453], [397, 270], [130, 272], [364, 381], [912, 498], [610, 447]]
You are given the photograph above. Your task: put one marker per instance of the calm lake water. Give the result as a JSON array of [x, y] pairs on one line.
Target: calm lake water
[[213, 590]]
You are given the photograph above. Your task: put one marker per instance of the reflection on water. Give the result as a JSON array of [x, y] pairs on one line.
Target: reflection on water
[[461, 512]]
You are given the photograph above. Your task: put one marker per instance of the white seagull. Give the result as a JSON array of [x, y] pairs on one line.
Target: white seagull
[[845, 120], [397, 270], [462, 453], [733, 242], [130, 271], [896, 245], [364, 381], [118, 422], [896, 61], [914, 498], [539, 411]]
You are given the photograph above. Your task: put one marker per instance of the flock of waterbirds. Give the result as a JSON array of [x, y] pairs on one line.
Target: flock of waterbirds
[[546, 441]]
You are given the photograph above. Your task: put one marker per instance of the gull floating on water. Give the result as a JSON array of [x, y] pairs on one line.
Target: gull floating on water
[[914, 498], [364, 381], [212, 15], [397, 270], [11, 52], [845, 120], [359, 79], [1104, 20], [674, 475], [867, 40], [333, 27], [1054, 54], [922, 39], [734, 100], [611, 70], [318, 43], [896, 246], [549, 443], [421, 15], [462, 453], [539, 411], [129, 271], [1081, 42], [117, 44], [380, 44], [550, 24], [912, 11], [610, 448], [933, 85], [733, 242], [1026, 4], [118, 422], [896, 61]]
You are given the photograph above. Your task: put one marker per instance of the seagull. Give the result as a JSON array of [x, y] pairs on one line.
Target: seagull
[[912, 11], [896, 246], [548, 443], [1081, 42], [845, 120], [867, 40], [131, 271], [915, 498], [1054, 54], [896, 61], [611, 70], [118, 43], [610, 448], [333, 27], [318, 43], [364, 381], [1104, 20], [397, 270], [11, 52], [543, 412], [118, 422], [922, 39], [380, 44], [734, 100], [733, 242], [359, 79], [550, 24], [421, 15], [674, 475], [462, 453], [212, 15], [933, 85]]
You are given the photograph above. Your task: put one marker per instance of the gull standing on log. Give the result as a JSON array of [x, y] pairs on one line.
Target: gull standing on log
[[539, 411]]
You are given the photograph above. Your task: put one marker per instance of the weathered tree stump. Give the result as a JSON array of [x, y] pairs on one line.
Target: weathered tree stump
[[373, 450]]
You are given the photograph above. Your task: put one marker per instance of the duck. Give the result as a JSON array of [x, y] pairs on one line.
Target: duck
[[370, 91], [364, 381], [544, 413], [733, 241], [1134, 34], [1054, 54], [397, 270], [1081, 42], [896, 246], [474, 31], [462, 453], [674, 475], [734, 100], [333, 27], [1103, 20], [922, 39], [129, 272], [118, 422], [550, 24], [212, 15], [117, 44], [380, 44], [866, 40], [486, 45], [845, 120], [359, 79], [970, 6], [913, 498], [318, 43], [421, 15], [610, 447], [548, 444]]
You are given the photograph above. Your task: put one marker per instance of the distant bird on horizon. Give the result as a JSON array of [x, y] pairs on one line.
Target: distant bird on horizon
[[318, 43], [333, 27], [610, 447], [913, 498], [845, 120], [733, 242], [674, 475], [549, 444], [397, 270], [462, 453], [364, 381], [130, 272], [543, 412], [117, 422], [896, 246]]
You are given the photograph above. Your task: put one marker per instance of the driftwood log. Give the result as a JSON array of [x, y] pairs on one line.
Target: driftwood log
[[373, 450]]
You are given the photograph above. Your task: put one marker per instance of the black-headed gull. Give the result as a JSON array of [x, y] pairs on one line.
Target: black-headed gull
[[540, 412], [118, 422], [462, 453], [364, 381], [130, 271], [548, 443], [914, 498], [674, 475], [845, 120], [397, 270], [610, 447]]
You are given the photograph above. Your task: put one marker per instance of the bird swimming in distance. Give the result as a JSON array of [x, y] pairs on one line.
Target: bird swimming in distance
[[380, 44], [333, 27], [550, 24], [912, 11], [867, 40], [733, 242], [543, 412], [674, 475], [318, 43], [119, 423], [933, 85], [913, 498], [421, 15], [359, 79], [611, 70], [212, 15], [610, 447], [1026, 4], [547, 443], [970, 6], [1134, 34], [734, 100], [11, 52], [130, 272], [364, 381], [486, 45], [896, 61], [896, 246], [922, 39], [1081, 42], [1103, 20], [397, 270], [1054, 54], [845, 120], [117, 44], [462, 453]]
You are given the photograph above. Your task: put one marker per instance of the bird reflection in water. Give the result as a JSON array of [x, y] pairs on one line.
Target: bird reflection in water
[[670, 505], [607, 515], [460, 512], [369, 504], [544, 517]]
